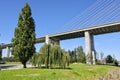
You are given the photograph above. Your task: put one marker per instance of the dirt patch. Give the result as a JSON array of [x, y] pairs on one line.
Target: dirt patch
[[111, 75]]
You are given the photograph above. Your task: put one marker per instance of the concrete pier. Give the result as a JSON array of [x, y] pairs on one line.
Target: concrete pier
[[47, 39], [51, 41], [90, 51]]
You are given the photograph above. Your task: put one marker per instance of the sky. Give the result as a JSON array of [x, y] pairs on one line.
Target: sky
[[53, 16]]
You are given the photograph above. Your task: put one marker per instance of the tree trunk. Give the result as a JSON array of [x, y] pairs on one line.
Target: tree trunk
[[24, 65]]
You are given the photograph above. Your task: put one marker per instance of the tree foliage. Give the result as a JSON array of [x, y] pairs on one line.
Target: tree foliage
[[72, 56], [77, 55], [109, 59], [45, 51], [24, 36], [37, 59], [116, 63], [81, 55], [101, 56], [51, 56]]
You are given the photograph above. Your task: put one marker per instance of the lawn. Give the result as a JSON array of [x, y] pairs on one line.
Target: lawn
[[76, 72]]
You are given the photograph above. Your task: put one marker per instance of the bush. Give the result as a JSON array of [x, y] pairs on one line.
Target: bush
[[116, 62], [109, 59], [2, 62]]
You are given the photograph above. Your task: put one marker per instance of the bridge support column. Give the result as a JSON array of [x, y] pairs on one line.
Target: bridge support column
[[51, 41], [90, 51], [47, 40], [8, 51]]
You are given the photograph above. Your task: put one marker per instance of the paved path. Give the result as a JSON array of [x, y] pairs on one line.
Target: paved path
[[12, 66]]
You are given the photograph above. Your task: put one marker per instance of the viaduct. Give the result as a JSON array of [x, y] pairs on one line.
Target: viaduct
[[88, 33]]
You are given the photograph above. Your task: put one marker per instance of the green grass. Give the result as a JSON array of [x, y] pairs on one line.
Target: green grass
[[76, 72]]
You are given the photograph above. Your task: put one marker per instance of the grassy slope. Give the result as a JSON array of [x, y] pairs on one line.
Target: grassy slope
[[77, 72]]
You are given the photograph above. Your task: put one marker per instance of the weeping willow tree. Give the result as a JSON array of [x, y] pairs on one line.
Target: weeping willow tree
[[38, 59], [45, 51], [56, 55], [52, 56], [64, 59], [42, 57]]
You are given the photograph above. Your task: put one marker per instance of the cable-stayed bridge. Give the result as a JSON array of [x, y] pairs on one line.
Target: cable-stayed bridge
[[101, 12], [100, 18]]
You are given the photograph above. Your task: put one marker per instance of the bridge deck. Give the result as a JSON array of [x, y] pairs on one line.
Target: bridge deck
[[96, 30]]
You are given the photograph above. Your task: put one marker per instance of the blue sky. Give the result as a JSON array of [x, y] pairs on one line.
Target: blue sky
[[50, 17]]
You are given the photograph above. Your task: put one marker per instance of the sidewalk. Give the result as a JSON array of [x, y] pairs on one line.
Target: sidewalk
[[13, 66]]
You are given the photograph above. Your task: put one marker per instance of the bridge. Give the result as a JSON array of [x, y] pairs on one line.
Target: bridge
[[105, 12], [88, 33]]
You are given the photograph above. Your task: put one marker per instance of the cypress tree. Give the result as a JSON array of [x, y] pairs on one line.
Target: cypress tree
[[24, 36]]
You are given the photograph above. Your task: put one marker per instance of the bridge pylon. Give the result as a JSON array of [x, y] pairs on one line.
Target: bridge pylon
[[90, 51], [48, 40], [8, 51]]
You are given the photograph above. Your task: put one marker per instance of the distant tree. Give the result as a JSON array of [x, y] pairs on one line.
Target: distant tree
[[24, 36], [67, 58], [101, 55], [75, 55], [109, 59], [116, 63], [81, 54], [70, 56]]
